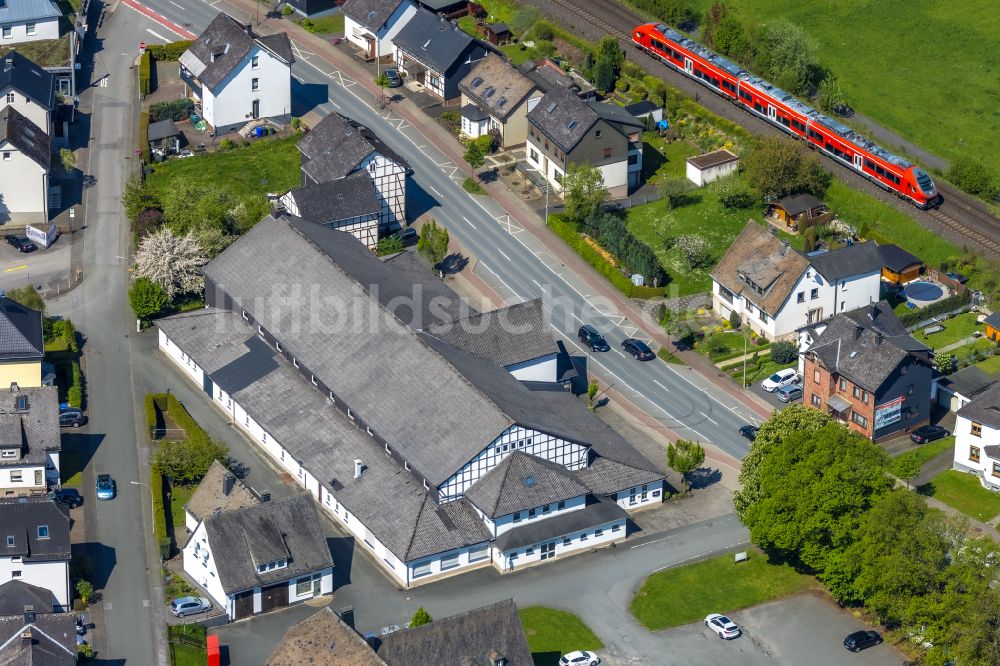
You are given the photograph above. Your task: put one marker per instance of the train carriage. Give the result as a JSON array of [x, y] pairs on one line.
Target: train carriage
[[891, 172]]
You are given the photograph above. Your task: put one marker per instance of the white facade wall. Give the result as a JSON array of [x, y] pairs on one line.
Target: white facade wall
[[547, 168], [362, 227], [355, 32], [428, 568], [19, 32], [233, 103], [615, 174], [31, 110], [542, 369], [22, 479], [515, 438], [510, 521], [52, 576], [389, 178], [199, 565], [970, 451], [640, 496], [705, 176], [23, 186], [577, 541]]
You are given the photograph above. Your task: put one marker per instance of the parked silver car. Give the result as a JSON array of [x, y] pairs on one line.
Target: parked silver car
[[189, 606]]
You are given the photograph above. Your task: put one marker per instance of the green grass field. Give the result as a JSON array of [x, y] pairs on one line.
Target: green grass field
[[179, 495], [263, 166], [990, 365], [688, 593], [926, 452], [955, 329], [963, 492], [186, 653], [552, 633], [324, 25], [938, 88]]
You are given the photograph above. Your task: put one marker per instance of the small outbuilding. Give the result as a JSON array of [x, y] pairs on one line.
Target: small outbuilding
[[647, 111], [898, 265], [993, 327], [796, 209], [704, 169], [496, 34], [164, 135]]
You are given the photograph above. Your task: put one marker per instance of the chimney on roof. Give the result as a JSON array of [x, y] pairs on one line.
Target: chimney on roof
[[878, 338], [857, 331], [347, 616], [29, 614], [26, 635], [228, 481], [14, 387], [784, 247], [359, 468]]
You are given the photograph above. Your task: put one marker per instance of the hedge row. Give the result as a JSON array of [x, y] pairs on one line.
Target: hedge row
[[567, 231], [751, 348], [944, 306], [74, 394], [159, 512], [145, 74], [143, 137], [171, 51], [168, 402]]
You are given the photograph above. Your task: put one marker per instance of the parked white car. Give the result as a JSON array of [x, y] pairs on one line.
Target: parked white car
[[779, 379], [580, 658], [722, 625]]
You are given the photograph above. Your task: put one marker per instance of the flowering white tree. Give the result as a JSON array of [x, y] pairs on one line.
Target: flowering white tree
[[171, 261], [694, 249]]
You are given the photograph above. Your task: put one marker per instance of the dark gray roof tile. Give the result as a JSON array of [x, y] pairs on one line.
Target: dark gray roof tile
[[26, 136], [968, 382], [334, 200], [20, 331], [372, 14], [287, 528], [223, 45], [33, 430], [16, 594], [506, 336], [857, 259], [433, 40], [21, 518], [799, 203], [984, 408], [896, 258], [52, 642], [476, 637], [337, 145], [522, 481], [27, 78], [562, 524]]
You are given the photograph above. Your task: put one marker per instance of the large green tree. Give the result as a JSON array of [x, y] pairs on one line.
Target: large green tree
[[779, 166], [186, 461], [685, 457], [812, 490], [787, 57], [146, 298], [583, 191]]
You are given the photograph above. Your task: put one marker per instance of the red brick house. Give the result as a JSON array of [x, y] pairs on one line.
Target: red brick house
[[863, 369]]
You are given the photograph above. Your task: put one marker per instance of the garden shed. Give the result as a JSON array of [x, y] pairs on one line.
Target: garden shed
[[796, 209], [164, 135], [704, 169], [898, 265]]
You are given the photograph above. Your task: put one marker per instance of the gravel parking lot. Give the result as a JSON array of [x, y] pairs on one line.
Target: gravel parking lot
[[804, 629]]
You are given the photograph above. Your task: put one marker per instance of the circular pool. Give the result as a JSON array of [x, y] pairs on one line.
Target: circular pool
[[923, 291]]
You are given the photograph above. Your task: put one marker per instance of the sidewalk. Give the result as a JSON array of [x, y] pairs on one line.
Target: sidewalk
[[519, 211], [961, 343]]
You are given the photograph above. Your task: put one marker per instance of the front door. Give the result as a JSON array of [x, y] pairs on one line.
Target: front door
[[255, 109], [772, 112], [273, 597], [688, 66], [858, 161], [317, 584], [548, 550]]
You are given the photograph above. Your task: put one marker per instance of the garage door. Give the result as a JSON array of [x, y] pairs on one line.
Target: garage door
[[244, 605], [273, 597]]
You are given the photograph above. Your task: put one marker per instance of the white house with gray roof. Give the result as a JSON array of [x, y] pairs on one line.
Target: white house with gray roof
[[237, 76], [29, 440], [340, 380], [337, 149], [24, 21], [977, 437], [371, 25], [564, 129], [34, 545], [262, 557]]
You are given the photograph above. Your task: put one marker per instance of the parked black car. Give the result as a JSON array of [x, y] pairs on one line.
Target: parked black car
[[749, 431], [860, 640], [21, 243], [637, 348], [928, 433], [70, 496], [71, 417], [589, 337]]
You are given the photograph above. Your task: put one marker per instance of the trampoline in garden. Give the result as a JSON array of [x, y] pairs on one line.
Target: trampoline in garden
[[922, 291]]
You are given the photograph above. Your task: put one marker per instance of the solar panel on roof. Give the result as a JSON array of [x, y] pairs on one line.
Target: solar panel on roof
[[501, 101], [489, 92], [571, 124], [476, 82]]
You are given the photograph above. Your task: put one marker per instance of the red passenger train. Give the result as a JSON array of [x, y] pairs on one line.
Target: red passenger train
[[891, 172]]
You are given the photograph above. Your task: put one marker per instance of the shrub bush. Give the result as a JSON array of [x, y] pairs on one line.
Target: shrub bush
[[150, 413], [170, 51], [287, 10], [784, 351], [175, 109], [163, 540], [74, 394], [143, 138], [227, 144], [145, 73], [934, 309]]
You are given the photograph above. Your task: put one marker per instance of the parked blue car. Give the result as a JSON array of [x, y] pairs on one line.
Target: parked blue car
[[105, 487]]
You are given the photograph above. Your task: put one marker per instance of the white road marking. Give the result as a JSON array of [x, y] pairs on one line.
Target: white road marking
[[175, 4], [469, 223], [500, 251], [688, 559], [661, 386], [157, 35], [487, 266], [709, 418], [436, 192]]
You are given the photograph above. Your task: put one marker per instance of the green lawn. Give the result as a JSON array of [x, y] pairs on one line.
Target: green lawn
[[179, 495], [472, 187], [703, 216], [70, 469], [990, 365], [963, 492], [552, 633], [955, 329], [186, 653], [263, 166], [951, 44], [926, 452], [324, 25], [979, 349], [719, 345], [663, 160], [765, 368], [688, 593]]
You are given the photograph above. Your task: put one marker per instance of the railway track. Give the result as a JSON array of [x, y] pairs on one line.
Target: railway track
[[979, 229]]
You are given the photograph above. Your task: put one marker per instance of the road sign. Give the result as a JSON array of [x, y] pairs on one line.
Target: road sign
[[142, 47]]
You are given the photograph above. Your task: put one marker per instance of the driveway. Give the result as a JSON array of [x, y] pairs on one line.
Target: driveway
[[804, 629], [42, 268]]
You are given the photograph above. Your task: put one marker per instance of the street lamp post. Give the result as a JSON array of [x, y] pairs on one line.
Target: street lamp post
[[152, 508]]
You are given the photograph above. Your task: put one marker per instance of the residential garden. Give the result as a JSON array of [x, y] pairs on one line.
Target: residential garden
[[552, 633], [963, 492]]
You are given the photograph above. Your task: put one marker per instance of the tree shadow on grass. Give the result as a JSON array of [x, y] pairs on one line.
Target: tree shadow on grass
[[926, 489]]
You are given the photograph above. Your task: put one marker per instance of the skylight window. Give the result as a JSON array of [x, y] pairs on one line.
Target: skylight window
[[426, 44], [552, 107], [476, 82], [529, 481], [501, 101], [571, 124], [489, 92]]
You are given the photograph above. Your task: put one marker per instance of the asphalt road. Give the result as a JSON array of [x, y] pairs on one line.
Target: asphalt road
[[519, 265], [116, 530], [38, 268]]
